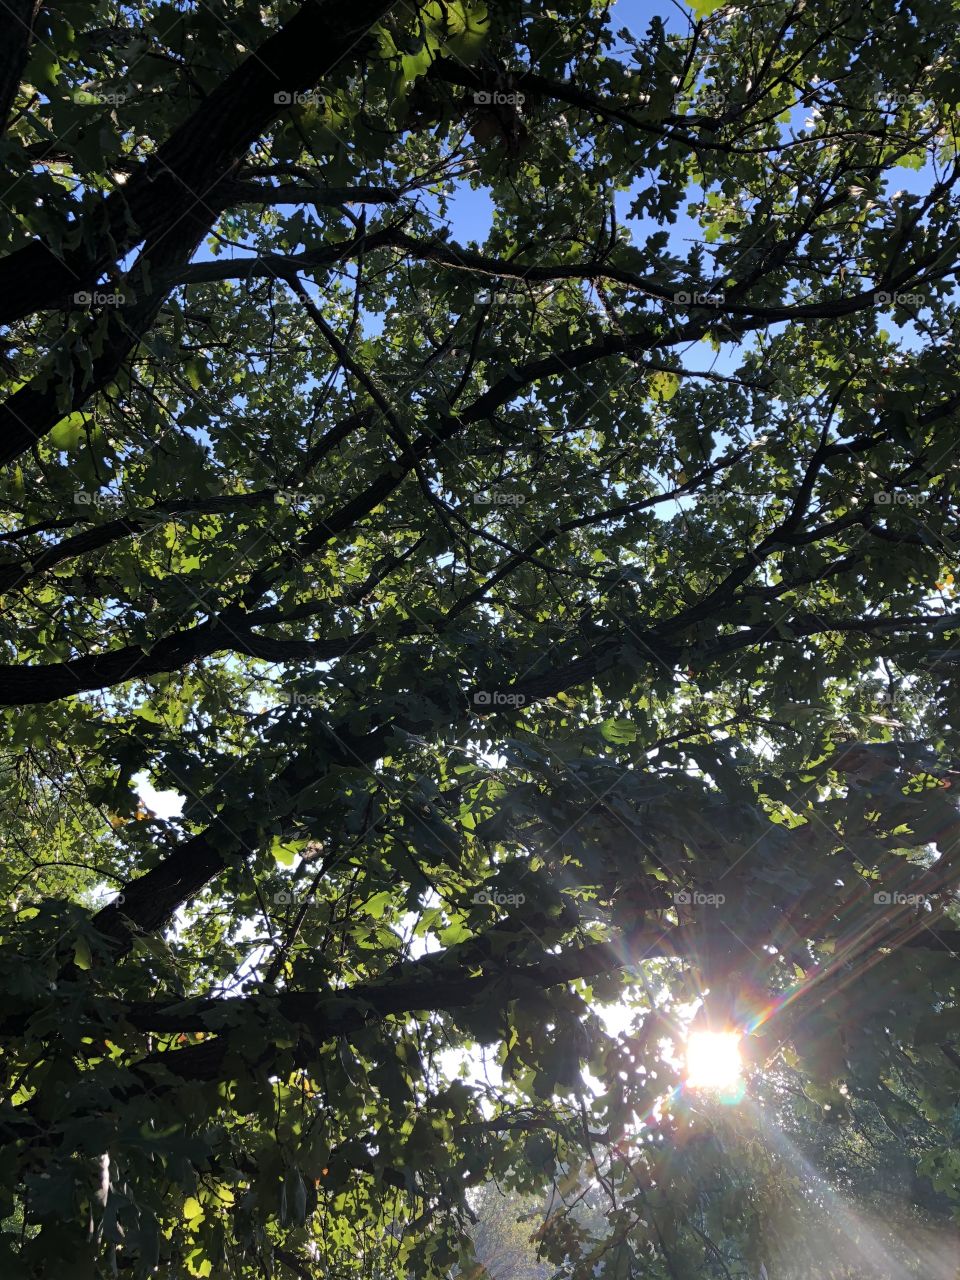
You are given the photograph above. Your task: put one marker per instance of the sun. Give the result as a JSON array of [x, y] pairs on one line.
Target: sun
[[713, 1060]]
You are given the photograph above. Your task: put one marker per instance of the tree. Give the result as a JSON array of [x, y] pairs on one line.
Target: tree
[[555, 620], [505, 1236]]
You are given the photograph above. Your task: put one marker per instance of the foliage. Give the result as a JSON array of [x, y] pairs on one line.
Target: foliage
[[535, 624]]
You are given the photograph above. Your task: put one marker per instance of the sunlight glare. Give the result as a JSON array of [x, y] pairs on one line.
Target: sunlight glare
[[713, 1060]]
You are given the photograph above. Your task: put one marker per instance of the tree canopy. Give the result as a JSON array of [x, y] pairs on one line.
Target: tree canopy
[[496, 466]]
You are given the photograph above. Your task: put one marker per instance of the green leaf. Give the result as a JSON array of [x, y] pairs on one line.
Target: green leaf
[[376, 905], [68, 432], [284, 851], [619, 731], [663, 385], [82, 955], [192, 1210]]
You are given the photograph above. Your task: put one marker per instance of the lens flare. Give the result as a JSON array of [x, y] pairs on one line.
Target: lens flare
[[713, 1060]]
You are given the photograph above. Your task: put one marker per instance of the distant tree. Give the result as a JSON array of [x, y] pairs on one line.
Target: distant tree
[[557, 617], [505, 1236]]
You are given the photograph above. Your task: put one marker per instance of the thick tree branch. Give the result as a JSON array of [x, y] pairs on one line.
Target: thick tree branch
[[174, 183], [17, 19]]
